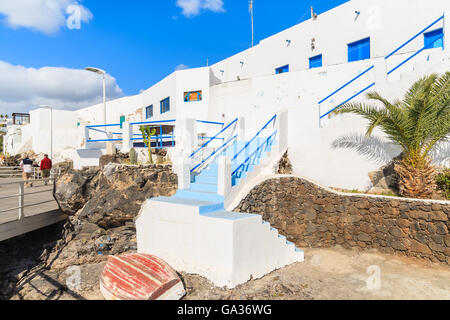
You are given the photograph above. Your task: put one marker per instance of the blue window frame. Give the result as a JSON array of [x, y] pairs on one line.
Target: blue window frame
[[149, 112], [315, 62], [282, 69], [434, 39], [359, 50], [165, 105]]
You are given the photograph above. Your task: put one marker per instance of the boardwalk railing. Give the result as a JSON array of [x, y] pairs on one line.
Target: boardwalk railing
[[16, 172], [21, 196]]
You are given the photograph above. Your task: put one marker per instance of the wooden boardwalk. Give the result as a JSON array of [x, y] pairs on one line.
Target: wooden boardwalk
[[40, 208]]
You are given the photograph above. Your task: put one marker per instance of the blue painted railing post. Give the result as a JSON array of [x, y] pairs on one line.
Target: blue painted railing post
[[127, 135]]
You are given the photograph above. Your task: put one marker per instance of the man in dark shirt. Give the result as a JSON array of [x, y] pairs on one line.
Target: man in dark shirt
[[46, 166]]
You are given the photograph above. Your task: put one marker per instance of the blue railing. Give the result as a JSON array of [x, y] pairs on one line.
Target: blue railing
[[372, 67], [414, 37], [213, 138], [256, 136], [222, 148], [94, 128], [348, 83], [237, 173], [211, 122], [161, 141]]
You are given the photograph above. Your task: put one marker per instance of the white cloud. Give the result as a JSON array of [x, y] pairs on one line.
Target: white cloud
[[195, 7], [46, 16], [181, 67], [23, 89]]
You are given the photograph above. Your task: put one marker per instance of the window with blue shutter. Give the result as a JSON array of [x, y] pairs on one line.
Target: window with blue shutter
[[282, 69], [165, 105], [434, 39], [359, 50], [315, 62], [149, 112]]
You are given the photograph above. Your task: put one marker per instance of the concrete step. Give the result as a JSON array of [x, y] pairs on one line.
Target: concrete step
[[206, 179], [199, 195], [208, 187]]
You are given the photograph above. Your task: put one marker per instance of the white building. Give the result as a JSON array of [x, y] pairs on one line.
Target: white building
[[294, 70]]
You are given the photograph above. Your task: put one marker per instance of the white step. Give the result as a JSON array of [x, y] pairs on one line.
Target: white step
[[228, 248]]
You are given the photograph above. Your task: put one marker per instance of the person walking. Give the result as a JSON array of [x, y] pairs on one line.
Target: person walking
[[46, 166], [27, 169]]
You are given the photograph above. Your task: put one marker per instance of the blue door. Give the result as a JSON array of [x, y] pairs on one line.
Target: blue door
[[359, 50]]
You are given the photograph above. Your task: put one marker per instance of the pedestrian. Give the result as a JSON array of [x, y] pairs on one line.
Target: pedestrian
[[46, 166], [27, 169]]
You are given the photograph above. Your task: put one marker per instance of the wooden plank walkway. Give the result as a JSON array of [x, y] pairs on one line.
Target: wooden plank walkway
[[35, 216]]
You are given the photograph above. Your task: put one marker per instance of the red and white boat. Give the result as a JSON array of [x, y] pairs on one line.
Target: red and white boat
[[140, 277]]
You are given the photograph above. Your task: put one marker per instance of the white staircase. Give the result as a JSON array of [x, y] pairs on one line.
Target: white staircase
[[194, 233]]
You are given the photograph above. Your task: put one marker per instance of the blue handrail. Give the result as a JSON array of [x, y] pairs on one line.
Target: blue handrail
[[151, 122], [213, 138], [345, 85], [354, 96], [256, 135], [105, 140], [255, 152], [155, 137], [214, 153], [103, 126], [97, 130], [411, 57], [420, 33], [211, 122]]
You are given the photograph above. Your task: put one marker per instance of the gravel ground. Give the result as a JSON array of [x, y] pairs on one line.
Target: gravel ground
[[334, 273]]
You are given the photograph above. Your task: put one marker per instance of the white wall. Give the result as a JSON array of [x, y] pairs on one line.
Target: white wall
[[388, 23]]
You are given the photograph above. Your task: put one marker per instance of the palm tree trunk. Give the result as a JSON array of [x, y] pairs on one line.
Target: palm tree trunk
[[416, 182]]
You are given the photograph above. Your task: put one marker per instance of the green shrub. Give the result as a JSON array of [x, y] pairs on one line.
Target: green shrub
[[443, 182]]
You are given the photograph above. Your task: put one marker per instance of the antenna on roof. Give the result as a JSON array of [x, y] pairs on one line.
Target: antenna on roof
[[313, 15], [250, 8]]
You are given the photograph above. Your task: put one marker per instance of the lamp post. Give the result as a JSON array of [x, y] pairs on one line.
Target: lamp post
[[51, 129], [103, 74]]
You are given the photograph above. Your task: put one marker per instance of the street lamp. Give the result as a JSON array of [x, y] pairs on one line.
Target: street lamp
[[51, 129], [103, 74]]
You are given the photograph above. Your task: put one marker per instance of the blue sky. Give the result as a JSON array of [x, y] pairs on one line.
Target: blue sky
[[137, 42]]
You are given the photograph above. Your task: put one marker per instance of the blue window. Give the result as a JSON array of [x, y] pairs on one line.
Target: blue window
[[359, 50], [149, 112], [434, 39], [165, 105], [282, 69], [315, 62]]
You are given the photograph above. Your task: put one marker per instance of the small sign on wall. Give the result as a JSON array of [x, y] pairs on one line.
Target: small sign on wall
[[193, 96]]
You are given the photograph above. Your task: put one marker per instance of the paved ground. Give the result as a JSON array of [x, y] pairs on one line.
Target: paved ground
[[37, 194]]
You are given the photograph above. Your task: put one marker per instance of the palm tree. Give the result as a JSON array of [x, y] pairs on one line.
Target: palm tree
[[416, 123]]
